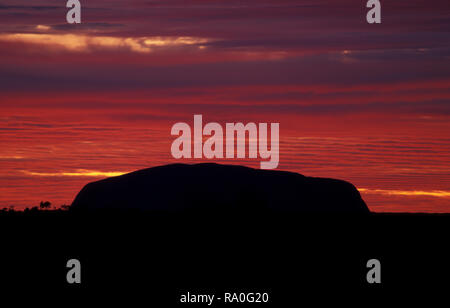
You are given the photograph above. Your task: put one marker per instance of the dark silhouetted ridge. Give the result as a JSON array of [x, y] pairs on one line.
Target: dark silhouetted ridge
[[219, 188]]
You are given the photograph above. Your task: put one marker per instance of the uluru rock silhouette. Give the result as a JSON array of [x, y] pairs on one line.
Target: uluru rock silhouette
[[209, 187]]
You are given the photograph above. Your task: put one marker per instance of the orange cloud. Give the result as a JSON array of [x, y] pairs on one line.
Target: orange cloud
[[83, 42], [432, 193], [80, 172], [43, 27]]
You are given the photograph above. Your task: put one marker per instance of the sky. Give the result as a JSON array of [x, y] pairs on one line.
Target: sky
[[366, 103]]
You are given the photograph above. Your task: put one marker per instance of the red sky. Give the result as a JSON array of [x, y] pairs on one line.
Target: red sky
[[364, 103]]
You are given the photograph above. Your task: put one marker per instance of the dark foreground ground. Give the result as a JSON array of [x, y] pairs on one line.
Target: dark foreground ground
[[155, 258]]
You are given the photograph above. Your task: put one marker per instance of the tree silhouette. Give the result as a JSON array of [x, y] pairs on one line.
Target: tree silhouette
[[45, 205]]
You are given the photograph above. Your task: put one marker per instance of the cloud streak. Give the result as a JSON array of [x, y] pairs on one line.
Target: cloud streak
[[410, 193], [89, 43], [78, 173]]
